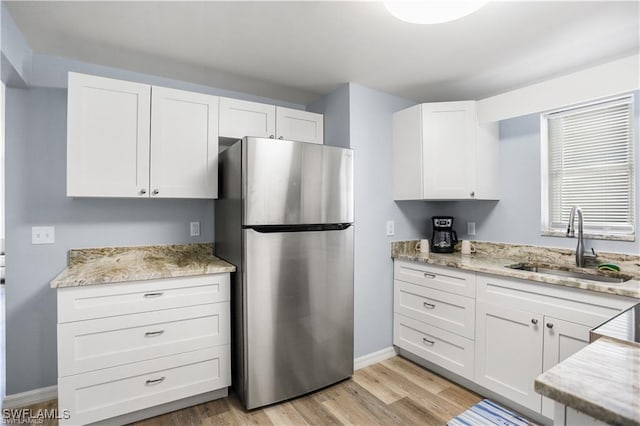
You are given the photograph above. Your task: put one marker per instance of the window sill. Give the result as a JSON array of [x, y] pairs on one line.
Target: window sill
[[588, 236]]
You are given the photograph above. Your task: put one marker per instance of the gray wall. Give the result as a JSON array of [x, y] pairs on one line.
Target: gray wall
[[335, 107], [370, 137], [516, 217]]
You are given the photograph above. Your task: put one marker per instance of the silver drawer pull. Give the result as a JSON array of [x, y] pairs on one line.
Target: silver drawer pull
[[155, 381], [153, 333], [429, 305], [425, 340], [428, 275], [152, 295]]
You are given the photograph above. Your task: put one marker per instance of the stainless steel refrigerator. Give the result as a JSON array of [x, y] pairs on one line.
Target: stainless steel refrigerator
[[285, 218]]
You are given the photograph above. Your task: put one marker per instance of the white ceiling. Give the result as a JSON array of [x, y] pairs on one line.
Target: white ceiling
[[297, 51]]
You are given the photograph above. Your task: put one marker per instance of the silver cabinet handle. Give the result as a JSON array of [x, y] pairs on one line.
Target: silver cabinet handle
[[428, 305], [549, 325], [534, 321], [153, 333], [428, 275], [143, 191], [473, 194], [281, 137], [155, 192], [152, 295], [272, 136], [155, 381], [425, 340]]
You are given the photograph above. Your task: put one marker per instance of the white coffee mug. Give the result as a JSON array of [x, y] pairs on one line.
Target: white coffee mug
[[467, 247], [423, 246]]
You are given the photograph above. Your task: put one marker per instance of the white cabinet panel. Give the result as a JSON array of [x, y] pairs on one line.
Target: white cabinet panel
[[111, 392], [297, 125], [562, 339], [447, 311], [184, 144], [243, 118], [445, 349], [107, 137], [108, 342], [449, 150], [509, 352]]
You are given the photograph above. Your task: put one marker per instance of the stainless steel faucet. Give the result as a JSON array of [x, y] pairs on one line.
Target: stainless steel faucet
[[571, 233]]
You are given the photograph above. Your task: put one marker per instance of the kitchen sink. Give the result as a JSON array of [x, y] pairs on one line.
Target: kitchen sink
[[565, 272]]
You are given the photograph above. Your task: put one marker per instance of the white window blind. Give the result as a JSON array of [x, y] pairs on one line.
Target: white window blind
[[590, 164]]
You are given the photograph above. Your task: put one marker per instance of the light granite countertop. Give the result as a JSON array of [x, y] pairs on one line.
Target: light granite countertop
[[601, 380], [492, 258], [120, 264]]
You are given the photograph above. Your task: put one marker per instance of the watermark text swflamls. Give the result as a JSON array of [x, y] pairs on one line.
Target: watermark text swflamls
[[18, 416]]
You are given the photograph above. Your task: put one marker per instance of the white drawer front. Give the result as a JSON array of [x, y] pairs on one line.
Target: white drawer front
[[451, 312], [108, 300], [111, 392], [589, 308], [439, 277], [107, 342], [448, 350]]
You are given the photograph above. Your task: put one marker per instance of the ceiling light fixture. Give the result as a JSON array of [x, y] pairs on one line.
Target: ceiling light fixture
[[432, 12]]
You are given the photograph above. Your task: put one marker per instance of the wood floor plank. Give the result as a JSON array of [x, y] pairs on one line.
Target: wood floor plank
[[369, 380], [380, 410], [284, 414], [461, 397], [347, 409], [418, 375], [413, 413], [314, 412]]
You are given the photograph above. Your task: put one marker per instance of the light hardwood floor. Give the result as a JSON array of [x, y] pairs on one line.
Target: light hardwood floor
[[392, 392]]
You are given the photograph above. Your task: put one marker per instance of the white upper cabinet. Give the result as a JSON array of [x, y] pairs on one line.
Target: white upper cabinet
[[108, 137], [243, 118], [440, 152], [133, 140], [184, 144], [297, 125]]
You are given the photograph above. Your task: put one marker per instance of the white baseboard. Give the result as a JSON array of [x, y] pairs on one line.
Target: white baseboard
[[373, 358], [34, 396]]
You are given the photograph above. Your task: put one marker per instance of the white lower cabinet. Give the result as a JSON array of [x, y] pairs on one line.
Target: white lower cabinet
[[157, 345], [500, 333], [509, 352]]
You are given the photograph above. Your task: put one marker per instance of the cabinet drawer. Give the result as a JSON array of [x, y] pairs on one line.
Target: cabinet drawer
[[108, 300], [111, 392], [448, 311], [589, 308], [438, 277], [107, 342], [448, 350]]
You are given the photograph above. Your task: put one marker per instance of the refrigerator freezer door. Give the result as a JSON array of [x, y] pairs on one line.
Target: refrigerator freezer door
[[289, 182], [298, 311]]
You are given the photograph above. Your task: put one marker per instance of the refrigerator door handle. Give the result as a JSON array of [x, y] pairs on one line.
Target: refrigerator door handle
[[265, 229]]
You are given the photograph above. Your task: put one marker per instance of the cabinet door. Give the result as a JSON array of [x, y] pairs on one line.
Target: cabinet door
[[108, 137], [301, 126], [509, 352], [184, 144], [243, 118], [449, 150], [562, 339]]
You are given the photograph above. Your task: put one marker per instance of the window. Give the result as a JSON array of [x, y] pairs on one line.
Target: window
[[588, 161]]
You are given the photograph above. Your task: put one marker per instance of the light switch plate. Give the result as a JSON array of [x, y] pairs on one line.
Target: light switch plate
[[195, 229], [42, 235], [471, 228], [391, 227]]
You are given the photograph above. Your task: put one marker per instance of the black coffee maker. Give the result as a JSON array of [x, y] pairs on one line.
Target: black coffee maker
[[444, 238]]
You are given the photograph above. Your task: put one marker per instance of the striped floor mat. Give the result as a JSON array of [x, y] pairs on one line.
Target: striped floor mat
[[487, 413]]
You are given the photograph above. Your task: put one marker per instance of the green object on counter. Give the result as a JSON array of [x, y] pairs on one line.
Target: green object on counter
[[611, 267]]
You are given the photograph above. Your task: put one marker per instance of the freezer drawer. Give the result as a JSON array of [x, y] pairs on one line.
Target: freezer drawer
[[289, 182], [298, 311]]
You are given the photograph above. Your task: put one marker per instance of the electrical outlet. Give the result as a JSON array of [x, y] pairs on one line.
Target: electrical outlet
[[42, 235], [391, 227], [471, 228], [195, 229]]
